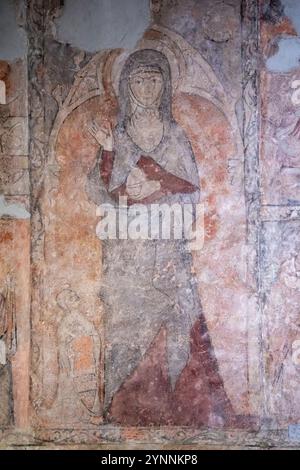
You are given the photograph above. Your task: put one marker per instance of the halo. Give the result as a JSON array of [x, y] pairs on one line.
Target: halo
[[159, 41]]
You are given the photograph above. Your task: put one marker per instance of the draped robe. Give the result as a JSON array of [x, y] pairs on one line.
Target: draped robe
[[148, 285]]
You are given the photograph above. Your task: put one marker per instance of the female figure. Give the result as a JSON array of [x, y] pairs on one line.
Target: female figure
[[147, 285]]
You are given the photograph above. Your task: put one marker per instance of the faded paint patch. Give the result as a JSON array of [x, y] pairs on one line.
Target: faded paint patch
[[103, 24], [13, 39], [15, 211], [287, 57], [292, 10], [294, 432]]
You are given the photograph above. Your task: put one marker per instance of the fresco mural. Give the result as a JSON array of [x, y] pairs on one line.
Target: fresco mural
[[126, 128], [280, 211], [8, 344], [148, 158], [14, 237], [113, 326]]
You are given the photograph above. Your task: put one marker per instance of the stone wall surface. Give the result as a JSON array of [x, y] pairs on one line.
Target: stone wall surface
[[143, 341]]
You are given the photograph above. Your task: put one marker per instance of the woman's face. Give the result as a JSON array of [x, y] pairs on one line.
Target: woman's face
[[146, 87]]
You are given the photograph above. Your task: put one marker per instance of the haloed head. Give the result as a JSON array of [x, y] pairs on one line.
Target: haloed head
[[146, 86]]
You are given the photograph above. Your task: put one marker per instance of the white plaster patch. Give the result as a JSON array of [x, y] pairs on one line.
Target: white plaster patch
[[102, 24], [13, 38], [2, 352], [2, 92], [14, 210]]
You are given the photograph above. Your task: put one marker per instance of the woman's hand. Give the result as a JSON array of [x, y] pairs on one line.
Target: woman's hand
[[138, 187], [103, 136]]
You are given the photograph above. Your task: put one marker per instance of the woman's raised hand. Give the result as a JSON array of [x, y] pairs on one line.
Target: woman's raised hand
[[103, 136]]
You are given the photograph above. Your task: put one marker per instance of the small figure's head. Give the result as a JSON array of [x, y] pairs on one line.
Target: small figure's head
[[67, 299]]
